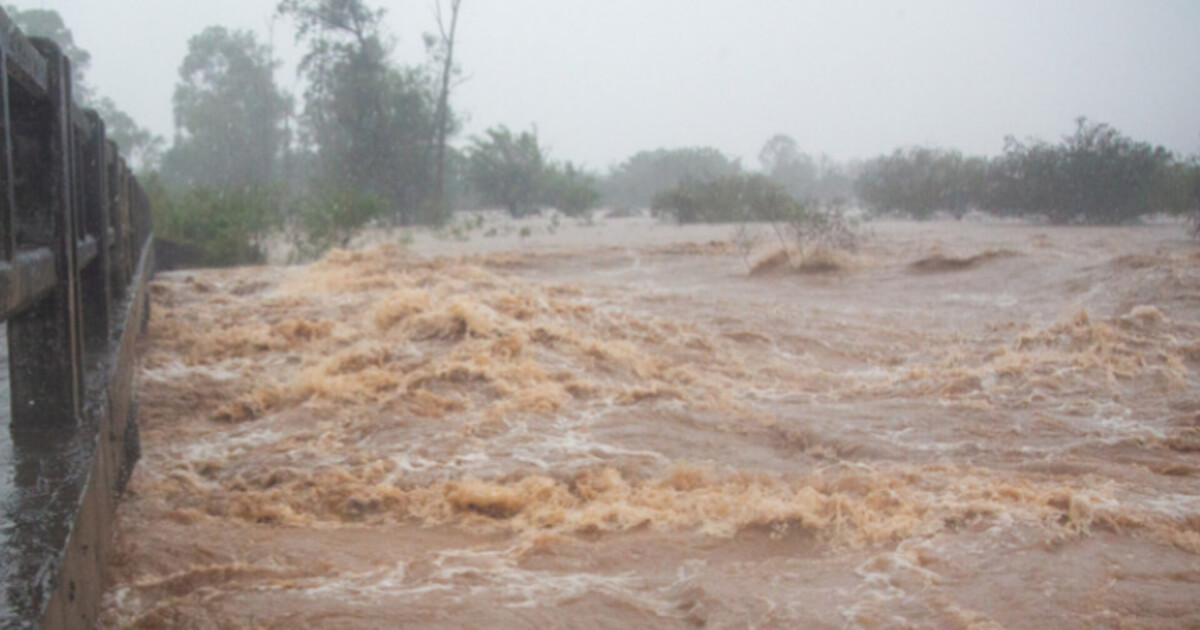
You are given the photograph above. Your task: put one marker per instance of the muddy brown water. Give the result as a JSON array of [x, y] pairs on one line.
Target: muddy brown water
[[965, 426]]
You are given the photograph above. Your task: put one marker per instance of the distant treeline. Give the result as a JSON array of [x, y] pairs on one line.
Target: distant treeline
[[1095, 175], [367, 142]]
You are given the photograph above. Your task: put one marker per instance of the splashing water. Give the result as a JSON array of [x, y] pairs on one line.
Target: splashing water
[[653, 437]]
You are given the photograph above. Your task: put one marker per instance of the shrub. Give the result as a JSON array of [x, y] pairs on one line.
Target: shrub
[[828, 227], [636, 180], [728, 199], [505, 169], [803, 228], [227, 226], [623, 212], [332, 216], [1096, 175], [572, 191], [1184, 192], [919, 181]]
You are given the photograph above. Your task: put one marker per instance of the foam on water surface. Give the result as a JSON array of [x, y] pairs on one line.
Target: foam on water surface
[[382, 439]]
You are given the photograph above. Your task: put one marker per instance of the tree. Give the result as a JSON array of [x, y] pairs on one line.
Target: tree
[[1177, 191], [372, 123], [1095, 175], [223, 227], [229, 114], [726, 199], [1191, 197], [49, 24], [784, 163], [636, 180], [505, 169], [569, 189], [332, 216], [445, 54], [916, 182], [139, 145]]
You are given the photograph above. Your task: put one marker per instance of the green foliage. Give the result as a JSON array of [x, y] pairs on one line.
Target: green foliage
[[828, 227], [1093, 176], [570, 190], [800, 174], [229, 114], [459, 195], [160, 203], [1192, 207], [916, 182], [623, 212], [506, 170], [1184, 189], [333, 216], [802, 228], [140, 147], [1096, 175], [49, 24], [374, 124], [442, 58], [227, 226], [637, 180], [727, 199]]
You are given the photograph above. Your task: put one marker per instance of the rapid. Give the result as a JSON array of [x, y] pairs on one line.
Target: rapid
[[961, 425]]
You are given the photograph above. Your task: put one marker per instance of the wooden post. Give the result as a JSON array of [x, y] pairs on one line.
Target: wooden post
[[142, 210], [95, 277], [8, 204], [129, 253], [118, 267], [46, 371], [75, 191]]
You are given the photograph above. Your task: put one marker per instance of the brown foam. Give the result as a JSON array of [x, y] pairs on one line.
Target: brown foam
[[941, 263]]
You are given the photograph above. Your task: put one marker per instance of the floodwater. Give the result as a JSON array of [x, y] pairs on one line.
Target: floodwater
[[959, 426]]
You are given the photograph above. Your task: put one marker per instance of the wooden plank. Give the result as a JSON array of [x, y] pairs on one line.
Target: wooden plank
[[94, 276], [86, 251], [26, 64], [8, 200], [45, 345], [84, 124], [25, 280]]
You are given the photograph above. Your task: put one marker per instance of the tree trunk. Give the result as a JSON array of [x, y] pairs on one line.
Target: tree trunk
[[443, 105]]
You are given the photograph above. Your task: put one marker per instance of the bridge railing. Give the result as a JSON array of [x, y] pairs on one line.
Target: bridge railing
[[72, 228], [75, 234]]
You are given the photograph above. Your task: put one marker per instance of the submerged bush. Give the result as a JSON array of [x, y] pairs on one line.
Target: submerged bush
[[803, 228], [227, 226], [828, 227], [1096, 175], [570, 190], [727, 199], [331, 216]]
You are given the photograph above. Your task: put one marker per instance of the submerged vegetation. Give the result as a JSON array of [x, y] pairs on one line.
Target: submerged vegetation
[[367, 143], [807, 230], [1096, 175]]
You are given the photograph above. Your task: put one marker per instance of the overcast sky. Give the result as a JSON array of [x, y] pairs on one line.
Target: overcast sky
[[603, 79]]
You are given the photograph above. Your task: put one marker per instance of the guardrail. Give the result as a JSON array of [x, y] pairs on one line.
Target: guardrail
[[75, 254]]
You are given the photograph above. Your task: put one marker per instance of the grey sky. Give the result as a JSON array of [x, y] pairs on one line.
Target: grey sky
[[603, 79]]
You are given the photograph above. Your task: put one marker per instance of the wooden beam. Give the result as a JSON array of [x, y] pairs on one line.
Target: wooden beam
[[26, 64], [45, 351]]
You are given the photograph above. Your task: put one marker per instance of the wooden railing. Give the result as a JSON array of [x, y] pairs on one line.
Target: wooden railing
[[75, 255]]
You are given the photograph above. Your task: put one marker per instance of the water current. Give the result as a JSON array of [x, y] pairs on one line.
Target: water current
[[958, 426]]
